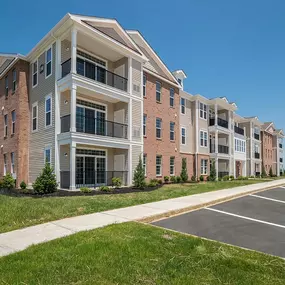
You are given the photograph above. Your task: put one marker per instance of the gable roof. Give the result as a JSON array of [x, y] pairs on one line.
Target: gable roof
[[7, 60], [265, 127]]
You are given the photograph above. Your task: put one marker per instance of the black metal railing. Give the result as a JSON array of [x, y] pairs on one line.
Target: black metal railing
[[212, 122], [221, 122], [95, 126], [223, 149], [221, 174], [239, 130], [256, 136], [281, 159], [96, 73], [257, 155], [280, 145]]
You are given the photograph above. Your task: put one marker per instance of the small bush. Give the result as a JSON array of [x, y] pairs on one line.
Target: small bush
[[220, 179], [173, 179], [270, 172], [166, 179], [201, 178], [23, 185], [178, 179], [139, 177], [85, 190], [251, 176], [226, 178], [46, 182], [8, 181], [242, 178], [183, 174], [193, 178], [154, 181], [1, 184], [208, 178], [104, 188], [213, 172], [117, 182], [159, 181], [152, 184], [232, 177]]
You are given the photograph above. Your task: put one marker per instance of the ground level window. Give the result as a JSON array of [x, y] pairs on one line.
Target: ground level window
[[12, 162], [204, 166], [158, 165], [5, 163], [48, 155], [172, 168], [144, 163]]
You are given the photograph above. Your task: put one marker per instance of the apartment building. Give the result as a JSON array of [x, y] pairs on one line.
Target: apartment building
[[14, 118], [278, 151]]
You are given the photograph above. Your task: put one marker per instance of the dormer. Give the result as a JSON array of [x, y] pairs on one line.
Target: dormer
[[180, 76]]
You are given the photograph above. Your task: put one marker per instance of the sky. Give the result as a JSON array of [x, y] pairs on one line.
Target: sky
[[231, 48]]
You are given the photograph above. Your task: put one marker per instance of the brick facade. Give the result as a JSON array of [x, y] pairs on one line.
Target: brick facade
[[267, 151], [18, 142]]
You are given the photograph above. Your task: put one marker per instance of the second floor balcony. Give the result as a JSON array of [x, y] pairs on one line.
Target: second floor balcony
[[257, 155], [239, 130], [221, 122], [257, 136], [280, 145], [281, 159], [223, 149]]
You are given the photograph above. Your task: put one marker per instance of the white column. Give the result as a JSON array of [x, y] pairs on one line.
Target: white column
[[73, 50], [58, 59], [73, 108], [216, 141], [72, 165], [234, 174], [130, 75], [130, 165], [216, 114], [217, 167], [245, 171]]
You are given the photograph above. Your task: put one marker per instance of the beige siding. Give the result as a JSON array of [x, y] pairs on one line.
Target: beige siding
[[136, 153], [64, 159], [64, 103], [137, 71], [137, 119], [65, 50]]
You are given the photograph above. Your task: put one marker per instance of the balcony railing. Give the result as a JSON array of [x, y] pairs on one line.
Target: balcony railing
[[221, 122], [223, 149], [257, 155], [280, 145], [222, 174], [256, 136], [281, 159], [239, 130], [95, 126], [95, 72]]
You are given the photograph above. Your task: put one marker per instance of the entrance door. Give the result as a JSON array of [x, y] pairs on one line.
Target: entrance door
[[101, 170], [90, 171]]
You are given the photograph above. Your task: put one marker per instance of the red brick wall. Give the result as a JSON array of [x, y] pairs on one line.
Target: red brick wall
[[267, 151], [18, 142]]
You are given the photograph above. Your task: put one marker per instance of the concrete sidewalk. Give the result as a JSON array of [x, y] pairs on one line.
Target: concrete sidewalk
[[20, 239]]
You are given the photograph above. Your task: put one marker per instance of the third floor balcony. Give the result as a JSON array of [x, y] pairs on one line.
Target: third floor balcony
[[239, 130], [257, 136], [221, 122]]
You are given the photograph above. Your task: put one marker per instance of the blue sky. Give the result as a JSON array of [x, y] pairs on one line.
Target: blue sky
[[232, 48]]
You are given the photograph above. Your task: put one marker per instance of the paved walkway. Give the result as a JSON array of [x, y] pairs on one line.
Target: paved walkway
[[20, 239]]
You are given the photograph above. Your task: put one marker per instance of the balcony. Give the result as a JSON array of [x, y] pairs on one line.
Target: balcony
[[256, 136], [223, 149], [95, 126], [257, 155], [280, 145], [222, 174], [281, 159], [95, 72], [221, 122], [239, 130]]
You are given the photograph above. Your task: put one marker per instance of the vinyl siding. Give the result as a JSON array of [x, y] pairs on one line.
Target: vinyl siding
[[136, 152], [136, 78], [137, 119]]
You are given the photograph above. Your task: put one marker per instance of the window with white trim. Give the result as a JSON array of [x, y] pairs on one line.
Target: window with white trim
[[35, 116], [35, 73], [144, 85], [48, 108], [5, 125], [240, 145], [172, 166], [14, 85], [171, 97], [183, 136], [13, 163], [144, 163], [158, 91], [48, 62], [158, 165], [5, 163], [172, 126], [6, 86], [13, 115], [203, 111], [204, 166], [144, 124], [47, 155], [203, 138], [158, 128], [182, 106]]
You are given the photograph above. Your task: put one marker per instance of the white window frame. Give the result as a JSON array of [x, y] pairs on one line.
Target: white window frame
[[13, 125], [172, 166], [145, 164], [204, 167], [5, 125], [144, 85], [172, 131], [240, 145], [182, 107], [35, 104], [203, 111], [5, 163], [46, 63], [48, 97], [144, 124], [35, 72], [14, 78], [12, 162], [158, 91], [156, 165], [204, 138], [183, 128], [47, 148], [171, 97], [158, 128]]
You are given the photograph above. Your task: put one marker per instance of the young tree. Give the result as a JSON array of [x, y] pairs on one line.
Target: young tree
[[270, 172], [213, 172], [139, 179], [184, 174], [263, 173]]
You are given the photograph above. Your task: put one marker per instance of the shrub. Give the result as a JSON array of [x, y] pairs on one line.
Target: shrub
[[208, 178], [152, 184], [104, 188], [220, 179], [159, 181], [178, 179], [183, 174], [117, 182], [166, 179], [226, 178], [201, 178], [154, 181], [46, 182], [232, 177], [8, 181], [242, 178], [85, 190], [263, 173], [270, 172], [173, 179], [139, 179], [193, 178], [251, 176], [1, 184], [23, 185], [213, 173]]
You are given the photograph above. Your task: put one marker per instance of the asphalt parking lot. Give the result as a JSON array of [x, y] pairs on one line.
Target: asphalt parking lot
[[255, 222]]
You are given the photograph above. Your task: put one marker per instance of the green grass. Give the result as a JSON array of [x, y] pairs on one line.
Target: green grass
[[18, 212], [133, 253]]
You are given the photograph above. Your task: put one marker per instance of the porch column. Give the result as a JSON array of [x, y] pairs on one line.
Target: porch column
[[217, 167], [73, 50], [216, 114], [73, 108], [130, 165], [72, 165], [216, 142], [244, 168]]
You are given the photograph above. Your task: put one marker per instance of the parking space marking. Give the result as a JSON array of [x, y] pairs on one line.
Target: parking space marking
[[266, 198], [245, 218], [281, 187]]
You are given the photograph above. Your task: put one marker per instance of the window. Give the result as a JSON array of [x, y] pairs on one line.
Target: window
[[204, 166], [172, 167], [182, 103], [12, 162], [144, 85], [48, 62], [179, 81], [5, 125], [240, 145], [5, 163], [158, 165], [6, 86], [172, 125], [48, 111], [35, 117], [47, 155], [14, 86], [183, 135], [171, 97], [35, 73], [158, 128], [144, 163], [144, 124], [13, 115], [203, 138], [203, 111], [158, 91]]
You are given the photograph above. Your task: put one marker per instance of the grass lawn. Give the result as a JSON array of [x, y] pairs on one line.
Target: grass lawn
[[19, 212], [133, 253]]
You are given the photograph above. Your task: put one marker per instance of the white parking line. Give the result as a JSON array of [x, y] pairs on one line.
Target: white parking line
[[246, 218], [281, 187], [266, 198]]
